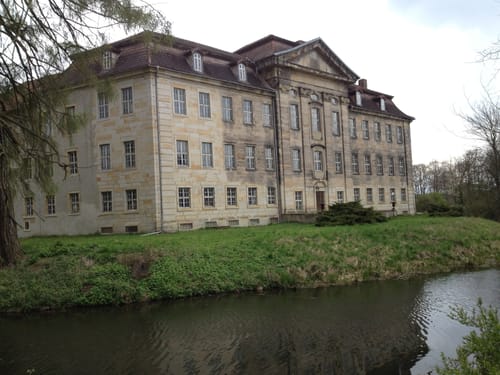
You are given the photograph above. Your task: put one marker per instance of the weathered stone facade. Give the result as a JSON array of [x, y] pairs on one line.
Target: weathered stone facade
[[188, 136]]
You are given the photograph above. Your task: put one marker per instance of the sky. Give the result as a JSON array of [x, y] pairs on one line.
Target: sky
[[423, 52]]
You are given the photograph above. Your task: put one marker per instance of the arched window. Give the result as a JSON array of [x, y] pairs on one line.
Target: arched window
[[197, 62], [242, 72]]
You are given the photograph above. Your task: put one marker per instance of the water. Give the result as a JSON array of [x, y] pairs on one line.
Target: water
[[390, 327]]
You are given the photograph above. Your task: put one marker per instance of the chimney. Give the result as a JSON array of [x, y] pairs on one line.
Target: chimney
[[363, 83]]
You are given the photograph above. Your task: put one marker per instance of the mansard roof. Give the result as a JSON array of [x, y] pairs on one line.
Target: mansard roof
[[153, 50], [370, 102]]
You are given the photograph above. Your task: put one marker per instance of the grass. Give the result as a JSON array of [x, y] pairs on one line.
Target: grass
[[60, 272]]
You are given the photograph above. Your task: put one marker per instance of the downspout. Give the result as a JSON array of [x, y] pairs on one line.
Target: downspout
[[303, 153], [408, 171], [344, 167], [277, 124], [159, 148]]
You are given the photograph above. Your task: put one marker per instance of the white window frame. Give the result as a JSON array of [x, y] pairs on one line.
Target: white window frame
[[365, 129], [318, 160], [74, 202], [388, 133], [107, 60], [127, 101], [404, 196], [252, 196], [299, 200], [378, 131], [379, 165], [209, 197], [247, 112], [51, 204], [296, 160], [180, 101], [231, 196], [335, 123], [269, 157], [267, 117], [229, 156], [357, 194], [129, 147], [204, 105], [402, 166], [381, 194], [368, 164], [355, 162], [105, 150], [227, 109], [107, 201], [271, 195], [207, 158], [29, 208], [352, 128], [182, 152], [340, 196], [338, 162], [197, 62], [242, 72], [73, 162], [184, 197], [250, 160], [315, 119], [399, 134], [369, 195], [103, 105], [131, 199], [390, 165]]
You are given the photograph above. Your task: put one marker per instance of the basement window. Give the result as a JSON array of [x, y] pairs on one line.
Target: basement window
[[106, 230], [185, 226], [233, 223], [131, 229]]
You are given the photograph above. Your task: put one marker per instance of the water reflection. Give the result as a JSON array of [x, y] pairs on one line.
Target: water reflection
[[375, 328]]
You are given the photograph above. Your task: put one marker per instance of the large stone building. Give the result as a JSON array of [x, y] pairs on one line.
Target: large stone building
[[185, 136]]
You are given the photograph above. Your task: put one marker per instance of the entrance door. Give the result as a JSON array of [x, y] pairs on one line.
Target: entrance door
[[320, 200]]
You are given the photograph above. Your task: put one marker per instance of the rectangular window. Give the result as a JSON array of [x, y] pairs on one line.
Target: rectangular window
[[402, 169], [252, 196], [184, 196], [294, 116], [378, 131], [267, 118], [103, 105], [369, 195], [204, 102], [365, 129], [227, 109], [392, 193], [229, 158], [250, 156], [107, 201], [335, 124], [299, 202], [388, 133], [231, 196], [129, 154], [296, 160], [357, 195], [182, 153], [318, 160], [315, 120], [352, 128], [269, 156], [127, 101], [340, 196], [74, 201], [105, 156], [338, 162], [180, 101], [51, 204], [209, 197], [28, 206], [106, 60], [247, 112], [399, 134], [355, 163], [368, 164], [207, 159], [380, 165], [381, 195], [131, 196], [391, 165], [271, 195], [73, 162], [403, 194]]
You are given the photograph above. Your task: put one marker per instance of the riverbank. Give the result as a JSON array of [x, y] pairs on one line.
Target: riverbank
[[61, 272]]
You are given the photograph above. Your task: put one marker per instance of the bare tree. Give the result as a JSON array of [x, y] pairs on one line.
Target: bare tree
[[37, 39], [483, 122]]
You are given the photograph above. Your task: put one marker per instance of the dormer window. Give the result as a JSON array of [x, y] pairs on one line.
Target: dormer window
[[358, 98], [382, 104], [107, 59], [242, 72], [197, 62]]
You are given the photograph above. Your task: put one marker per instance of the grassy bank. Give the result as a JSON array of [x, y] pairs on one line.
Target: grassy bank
[[59, 272]]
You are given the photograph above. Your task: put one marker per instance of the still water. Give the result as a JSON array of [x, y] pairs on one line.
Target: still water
[[390, 327]]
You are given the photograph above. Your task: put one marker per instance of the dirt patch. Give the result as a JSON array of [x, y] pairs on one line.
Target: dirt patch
[[139, 263]]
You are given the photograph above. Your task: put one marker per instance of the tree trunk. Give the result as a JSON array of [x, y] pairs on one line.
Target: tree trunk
[[10, 247]]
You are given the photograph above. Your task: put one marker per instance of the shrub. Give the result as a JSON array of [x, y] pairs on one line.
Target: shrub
[[349, 213], [435, 204], [479, 352]]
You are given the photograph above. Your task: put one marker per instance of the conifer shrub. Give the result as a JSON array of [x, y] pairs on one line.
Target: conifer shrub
[[349, 213]]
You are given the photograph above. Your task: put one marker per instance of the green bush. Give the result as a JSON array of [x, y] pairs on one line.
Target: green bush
[[479, 353], [349, 213], [435, 204]]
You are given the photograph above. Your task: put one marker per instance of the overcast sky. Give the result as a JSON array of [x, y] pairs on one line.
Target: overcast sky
[[424, 53]]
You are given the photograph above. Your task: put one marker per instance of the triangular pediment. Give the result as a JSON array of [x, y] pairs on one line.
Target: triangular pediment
[[316, 56]]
